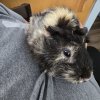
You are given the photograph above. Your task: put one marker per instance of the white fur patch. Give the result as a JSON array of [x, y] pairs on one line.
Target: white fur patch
[[51, 18]]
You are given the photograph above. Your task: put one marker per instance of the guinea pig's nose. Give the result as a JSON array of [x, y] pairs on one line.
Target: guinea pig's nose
[[85, 79], [86, 76]]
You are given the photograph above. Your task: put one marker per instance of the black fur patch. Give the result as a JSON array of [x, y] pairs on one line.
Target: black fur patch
[[67, 35], [62, 23]]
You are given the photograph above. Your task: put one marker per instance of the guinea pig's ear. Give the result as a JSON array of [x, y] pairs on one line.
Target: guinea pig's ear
[[81, 31], [84, 31]]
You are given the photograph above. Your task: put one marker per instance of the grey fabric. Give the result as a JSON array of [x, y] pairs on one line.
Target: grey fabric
[[20, 77]]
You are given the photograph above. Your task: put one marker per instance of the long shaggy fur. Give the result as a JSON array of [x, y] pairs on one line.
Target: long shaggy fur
[[58, 43]]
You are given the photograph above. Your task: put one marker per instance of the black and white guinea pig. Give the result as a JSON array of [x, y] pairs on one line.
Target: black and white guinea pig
[[58, 43]]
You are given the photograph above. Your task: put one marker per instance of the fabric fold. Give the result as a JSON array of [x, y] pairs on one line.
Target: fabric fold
[[43, 89]]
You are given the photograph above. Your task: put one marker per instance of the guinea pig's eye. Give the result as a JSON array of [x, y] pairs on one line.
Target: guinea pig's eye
[[67, 53]]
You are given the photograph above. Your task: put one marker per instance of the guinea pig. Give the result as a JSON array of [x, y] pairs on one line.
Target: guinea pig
[[58, 43]]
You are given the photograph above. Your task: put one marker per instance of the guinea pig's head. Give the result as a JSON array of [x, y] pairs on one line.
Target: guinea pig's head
[[58, 43]]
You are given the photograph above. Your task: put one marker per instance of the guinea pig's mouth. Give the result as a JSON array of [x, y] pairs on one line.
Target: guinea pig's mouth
[[77, 79], [70, 76]]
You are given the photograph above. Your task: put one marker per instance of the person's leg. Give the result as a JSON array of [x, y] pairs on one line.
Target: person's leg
[[18, 71]]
